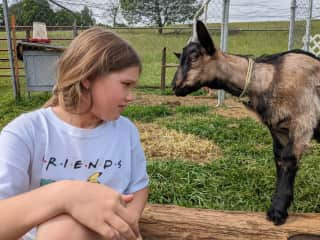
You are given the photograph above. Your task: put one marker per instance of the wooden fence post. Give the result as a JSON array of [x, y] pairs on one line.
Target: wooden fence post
[[28, 36], [163, 71], [15, 61]]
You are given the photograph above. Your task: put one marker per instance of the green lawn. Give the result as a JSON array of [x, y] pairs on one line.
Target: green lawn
[[243, 178]]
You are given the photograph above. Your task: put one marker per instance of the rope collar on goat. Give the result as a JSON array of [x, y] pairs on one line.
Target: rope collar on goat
[[248, 77]]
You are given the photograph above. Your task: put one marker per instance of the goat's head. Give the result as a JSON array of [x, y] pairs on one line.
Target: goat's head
[[191, 74]]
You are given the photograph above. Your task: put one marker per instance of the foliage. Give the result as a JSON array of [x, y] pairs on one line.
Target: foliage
[[36, 11], [1, 15], [86, 18], [158, 12], [112, 11], [29, 11], [64, 18]]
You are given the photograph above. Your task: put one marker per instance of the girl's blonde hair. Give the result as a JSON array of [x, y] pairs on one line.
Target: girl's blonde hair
[[93, 53]]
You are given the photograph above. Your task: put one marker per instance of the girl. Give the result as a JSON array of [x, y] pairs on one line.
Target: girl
[[81, 147]]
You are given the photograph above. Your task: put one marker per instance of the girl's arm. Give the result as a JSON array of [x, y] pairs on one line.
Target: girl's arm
[[138, 203], [86, 202], [21, 213]]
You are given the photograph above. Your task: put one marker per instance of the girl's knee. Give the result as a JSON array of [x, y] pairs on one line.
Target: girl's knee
[[65, 227]]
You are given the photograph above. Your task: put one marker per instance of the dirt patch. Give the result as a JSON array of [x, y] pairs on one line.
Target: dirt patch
[[232, 108], [162, 143]]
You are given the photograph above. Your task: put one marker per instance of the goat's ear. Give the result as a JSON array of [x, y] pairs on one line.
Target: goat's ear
[[178, 55], [205, 39]]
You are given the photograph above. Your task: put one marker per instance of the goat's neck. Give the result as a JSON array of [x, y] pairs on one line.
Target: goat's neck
[[231, 73]]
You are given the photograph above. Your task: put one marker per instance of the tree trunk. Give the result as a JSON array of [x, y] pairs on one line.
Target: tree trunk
[[172, 222]]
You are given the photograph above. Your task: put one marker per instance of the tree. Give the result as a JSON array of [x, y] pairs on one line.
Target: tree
[[129, 11], [112, 11], [29, 11], [86, 17], [16, 10], [1, 15], [159, 12], [63, 18]]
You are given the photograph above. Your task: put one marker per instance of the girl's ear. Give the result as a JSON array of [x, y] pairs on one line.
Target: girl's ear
[[85, 83], [178, 55], [205, 39]]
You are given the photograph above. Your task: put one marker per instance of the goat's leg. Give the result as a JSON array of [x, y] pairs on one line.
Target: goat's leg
[[283, 195], [287, 158], [275, 213]]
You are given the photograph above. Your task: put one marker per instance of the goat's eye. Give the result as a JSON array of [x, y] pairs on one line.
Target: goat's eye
[[194, 57]]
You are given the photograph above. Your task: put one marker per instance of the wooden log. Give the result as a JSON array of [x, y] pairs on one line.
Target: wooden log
[[172, 222]]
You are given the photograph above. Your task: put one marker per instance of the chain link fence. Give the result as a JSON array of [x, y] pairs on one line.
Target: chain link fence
[[305, 19], [247, 37], [22, 29]]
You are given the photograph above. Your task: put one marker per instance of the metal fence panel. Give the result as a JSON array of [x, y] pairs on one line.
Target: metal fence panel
[[40, 68]]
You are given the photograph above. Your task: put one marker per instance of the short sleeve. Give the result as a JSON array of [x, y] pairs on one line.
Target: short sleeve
[[139, 177], [14, 160]]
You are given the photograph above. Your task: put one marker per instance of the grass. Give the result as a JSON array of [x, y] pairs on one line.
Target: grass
[[146, 113], [243, 178]]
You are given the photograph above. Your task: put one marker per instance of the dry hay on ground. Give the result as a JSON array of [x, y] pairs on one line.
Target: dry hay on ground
[[162, 143], [232, 108]]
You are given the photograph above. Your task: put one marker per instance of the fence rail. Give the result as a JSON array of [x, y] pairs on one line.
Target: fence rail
[[69, 28], [25, 32]]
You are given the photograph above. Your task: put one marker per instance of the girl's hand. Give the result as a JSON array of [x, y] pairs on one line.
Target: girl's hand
[[100, 208]]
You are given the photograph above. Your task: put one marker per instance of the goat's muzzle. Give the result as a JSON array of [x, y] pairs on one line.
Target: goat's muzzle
[[185, 90], [180, 92]]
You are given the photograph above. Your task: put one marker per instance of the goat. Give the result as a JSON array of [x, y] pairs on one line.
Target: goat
[[283, 89]]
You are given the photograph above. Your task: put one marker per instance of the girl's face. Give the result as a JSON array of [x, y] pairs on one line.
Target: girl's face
[[113, 92]]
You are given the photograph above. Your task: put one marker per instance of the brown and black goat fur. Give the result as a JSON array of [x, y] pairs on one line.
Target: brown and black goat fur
[[284, 91]]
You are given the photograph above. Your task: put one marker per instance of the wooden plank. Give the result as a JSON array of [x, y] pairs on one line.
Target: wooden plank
[[173, 222], [171, 65]]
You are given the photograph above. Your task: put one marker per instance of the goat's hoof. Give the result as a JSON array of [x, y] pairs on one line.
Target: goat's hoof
[[276, 216]]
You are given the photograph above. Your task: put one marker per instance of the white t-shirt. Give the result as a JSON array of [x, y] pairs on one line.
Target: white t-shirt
[[37, 148]]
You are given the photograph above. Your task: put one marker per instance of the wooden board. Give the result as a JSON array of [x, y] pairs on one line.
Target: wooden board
[[172, 222]]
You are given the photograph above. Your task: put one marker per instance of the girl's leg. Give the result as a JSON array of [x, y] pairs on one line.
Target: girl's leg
[[65, 227]]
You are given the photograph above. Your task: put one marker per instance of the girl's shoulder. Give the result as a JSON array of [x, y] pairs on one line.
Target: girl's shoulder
[[31, 117], [130, 128], [25, 122], [125, 122]]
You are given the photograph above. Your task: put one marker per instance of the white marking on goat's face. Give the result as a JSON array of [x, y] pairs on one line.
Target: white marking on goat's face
[[190, 75]]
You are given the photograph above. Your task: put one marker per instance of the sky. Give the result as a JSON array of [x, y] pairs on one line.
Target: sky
[[246, 10], [240, 10]]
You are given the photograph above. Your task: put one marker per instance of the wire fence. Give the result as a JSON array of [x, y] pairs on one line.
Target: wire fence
[[249, 38], [305, 25]]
